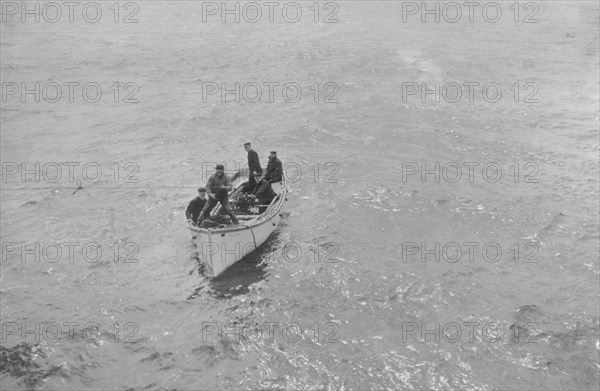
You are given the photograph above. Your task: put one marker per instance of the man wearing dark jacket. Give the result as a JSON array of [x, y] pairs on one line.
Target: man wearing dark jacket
[[274, 172], [196, 205], [263, 193], [217, 188], [253, 161]]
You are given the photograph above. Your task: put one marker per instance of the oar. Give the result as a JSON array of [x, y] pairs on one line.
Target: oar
[[236, 175], [233, 178]]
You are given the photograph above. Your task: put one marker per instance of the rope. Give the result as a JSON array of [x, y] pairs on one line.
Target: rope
[[253, 237]]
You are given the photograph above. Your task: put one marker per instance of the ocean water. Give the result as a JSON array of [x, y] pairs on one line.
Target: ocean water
[[349, 292]]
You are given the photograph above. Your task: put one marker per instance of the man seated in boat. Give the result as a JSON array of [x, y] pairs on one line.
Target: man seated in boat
[[248, 187], [195, 206], [274, 172], [217, 188], [263, 192]]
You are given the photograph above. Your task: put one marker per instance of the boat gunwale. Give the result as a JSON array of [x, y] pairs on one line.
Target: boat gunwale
[[233, 228]]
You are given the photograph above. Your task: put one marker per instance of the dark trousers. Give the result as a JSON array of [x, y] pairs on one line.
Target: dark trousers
[[210, 204], [249, 186]]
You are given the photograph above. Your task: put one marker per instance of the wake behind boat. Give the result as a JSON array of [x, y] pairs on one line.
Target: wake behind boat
[[224, 245]]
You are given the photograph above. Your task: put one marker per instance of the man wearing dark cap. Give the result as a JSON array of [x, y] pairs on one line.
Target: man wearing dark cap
[[253, 161], [217, 188], [263, 193], [196, 205], [274, 172]]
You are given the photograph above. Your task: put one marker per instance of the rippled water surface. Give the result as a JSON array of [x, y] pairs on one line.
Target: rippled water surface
[[339, 266]]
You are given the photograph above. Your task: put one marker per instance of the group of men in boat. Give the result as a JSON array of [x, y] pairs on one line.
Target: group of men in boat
[[258, 188]]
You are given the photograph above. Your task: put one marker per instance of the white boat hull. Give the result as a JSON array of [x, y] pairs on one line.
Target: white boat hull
[[222, 247]]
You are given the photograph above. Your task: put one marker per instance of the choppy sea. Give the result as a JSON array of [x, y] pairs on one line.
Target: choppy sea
[[442, 224]]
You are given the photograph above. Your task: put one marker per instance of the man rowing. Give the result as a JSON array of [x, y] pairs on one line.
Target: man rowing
[[217, 189]]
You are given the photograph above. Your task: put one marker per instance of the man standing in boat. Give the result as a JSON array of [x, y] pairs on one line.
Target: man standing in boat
[[217, 188], [253, 161], [274, 171], [196, 205]]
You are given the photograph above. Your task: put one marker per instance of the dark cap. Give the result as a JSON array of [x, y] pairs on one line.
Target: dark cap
[[219, 167], [274, 153], [246, 144], [202, 189]]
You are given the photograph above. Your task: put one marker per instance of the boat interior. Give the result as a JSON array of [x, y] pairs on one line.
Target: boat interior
[[245, 211]]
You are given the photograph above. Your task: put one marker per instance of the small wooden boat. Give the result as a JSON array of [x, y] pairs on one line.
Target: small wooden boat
[[223, 246]]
